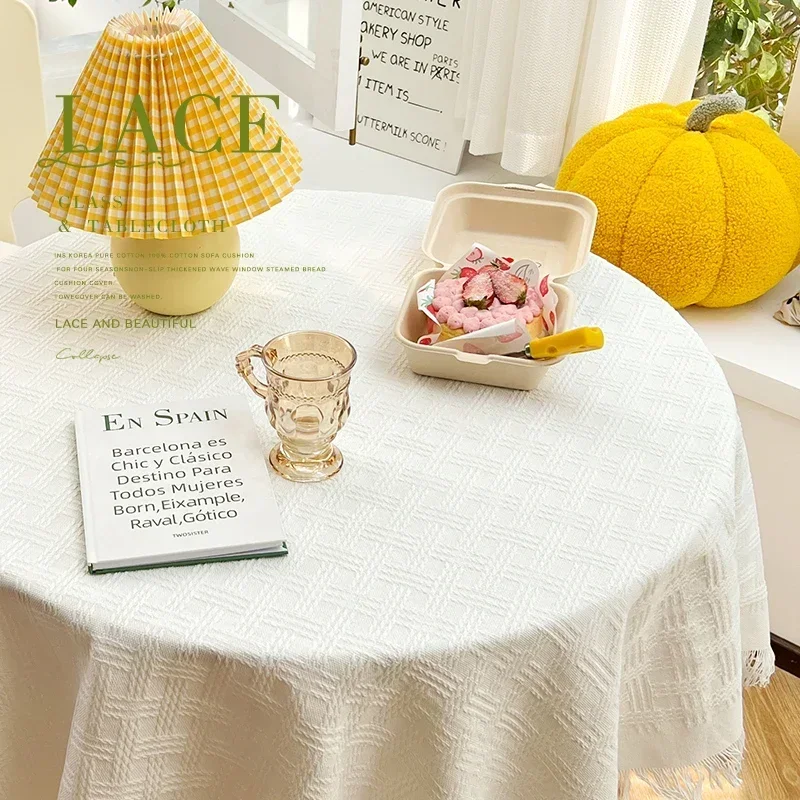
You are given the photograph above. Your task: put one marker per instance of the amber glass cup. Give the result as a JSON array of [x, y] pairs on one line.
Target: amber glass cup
[[307, 399]]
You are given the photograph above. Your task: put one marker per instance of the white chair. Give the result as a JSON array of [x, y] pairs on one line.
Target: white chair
[[24, 131]]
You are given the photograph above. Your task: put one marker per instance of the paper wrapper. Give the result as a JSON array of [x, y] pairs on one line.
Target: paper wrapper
[[478, 257], [789, 312], [505, 338], [164, 57]]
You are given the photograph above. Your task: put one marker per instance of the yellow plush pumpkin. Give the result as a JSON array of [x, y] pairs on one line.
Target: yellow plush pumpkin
[[700, 201]]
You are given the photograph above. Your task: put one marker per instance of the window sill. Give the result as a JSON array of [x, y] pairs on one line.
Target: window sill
[[759, 356]]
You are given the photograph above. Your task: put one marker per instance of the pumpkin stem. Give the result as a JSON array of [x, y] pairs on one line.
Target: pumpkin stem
[[711, 107]]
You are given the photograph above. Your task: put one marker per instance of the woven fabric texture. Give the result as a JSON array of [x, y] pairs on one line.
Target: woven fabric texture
[[503, 594]]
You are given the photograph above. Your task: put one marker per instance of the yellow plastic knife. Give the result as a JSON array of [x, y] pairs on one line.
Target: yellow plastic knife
[[578, 340]]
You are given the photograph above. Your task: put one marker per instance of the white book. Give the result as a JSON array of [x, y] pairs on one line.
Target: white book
[[174, 483]]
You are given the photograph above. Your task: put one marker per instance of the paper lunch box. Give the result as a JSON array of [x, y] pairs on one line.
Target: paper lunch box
[[552, 227]]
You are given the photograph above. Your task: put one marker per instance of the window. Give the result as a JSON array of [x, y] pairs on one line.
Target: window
[[751, 48]]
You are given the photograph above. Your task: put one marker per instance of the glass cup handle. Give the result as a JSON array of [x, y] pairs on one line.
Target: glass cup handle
[[245, 368]]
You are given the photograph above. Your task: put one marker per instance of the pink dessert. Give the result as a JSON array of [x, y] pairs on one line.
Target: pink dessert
[[458, 318]]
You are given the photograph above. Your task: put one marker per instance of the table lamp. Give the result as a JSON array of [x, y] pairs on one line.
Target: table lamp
[[163, 147]]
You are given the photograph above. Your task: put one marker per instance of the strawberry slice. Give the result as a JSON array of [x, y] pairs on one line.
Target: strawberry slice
[[509, 288], [478, 291], [468, 272]]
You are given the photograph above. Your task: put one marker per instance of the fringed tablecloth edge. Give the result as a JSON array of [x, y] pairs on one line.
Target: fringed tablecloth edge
[[758, 667], [725, 767]]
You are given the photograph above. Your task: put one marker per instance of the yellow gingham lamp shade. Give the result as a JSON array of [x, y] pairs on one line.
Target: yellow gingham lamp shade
[[164, 57]]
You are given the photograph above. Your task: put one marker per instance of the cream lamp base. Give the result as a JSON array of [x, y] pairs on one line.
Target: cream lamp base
[[177, 276]]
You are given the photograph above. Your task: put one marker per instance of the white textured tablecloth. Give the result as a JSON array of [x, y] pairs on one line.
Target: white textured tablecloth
[[504, 595]]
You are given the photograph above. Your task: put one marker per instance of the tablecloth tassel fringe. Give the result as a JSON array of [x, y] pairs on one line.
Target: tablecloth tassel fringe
[[686, 783], [723, 768], [758, 667]]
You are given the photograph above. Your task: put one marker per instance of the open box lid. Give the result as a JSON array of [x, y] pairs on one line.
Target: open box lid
[[536, 222]]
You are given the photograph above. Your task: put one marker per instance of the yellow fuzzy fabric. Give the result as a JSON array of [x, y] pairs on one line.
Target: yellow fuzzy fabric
[[709, 218]]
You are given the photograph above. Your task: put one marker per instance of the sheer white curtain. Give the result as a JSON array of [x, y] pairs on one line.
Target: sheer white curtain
[[539, 73]]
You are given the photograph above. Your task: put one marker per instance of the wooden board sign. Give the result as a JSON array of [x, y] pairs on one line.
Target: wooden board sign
[[407, 92]]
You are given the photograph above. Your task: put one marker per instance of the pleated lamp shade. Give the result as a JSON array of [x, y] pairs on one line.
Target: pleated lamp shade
[[127, 190]]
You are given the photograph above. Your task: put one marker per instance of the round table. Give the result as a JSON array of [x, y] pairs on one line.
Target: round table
[[503, 594]]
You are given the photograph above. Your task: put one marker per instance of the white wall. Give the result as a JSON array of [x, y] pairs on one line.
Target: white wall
[[773, 445]]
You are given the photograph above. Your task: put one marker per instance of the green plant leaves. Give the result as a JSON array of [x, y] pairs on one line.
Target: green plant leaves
[[767, 67], [748, 28], [722, 68], [716, 38], [751, 47], [170, 4]]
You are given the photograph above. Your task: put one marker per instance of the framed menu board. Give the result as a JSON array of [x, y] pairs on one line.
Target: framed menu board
[[407, 92]]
